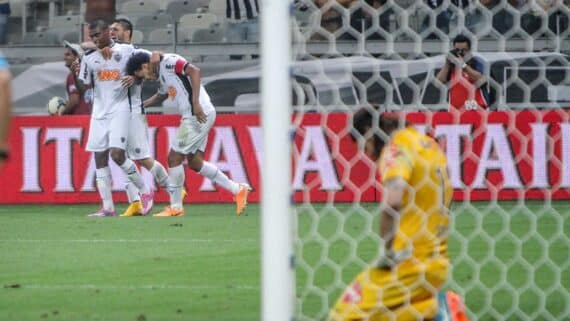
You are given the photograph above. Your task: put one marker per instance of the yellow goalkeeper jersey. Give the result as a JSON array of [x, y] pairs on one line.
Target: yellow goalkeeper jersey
[[424, 218]]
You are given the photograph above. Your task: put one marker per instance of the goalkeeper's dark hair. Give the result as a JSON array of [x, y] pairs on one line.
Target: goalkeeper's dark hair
[[381, 124], [136, 61]]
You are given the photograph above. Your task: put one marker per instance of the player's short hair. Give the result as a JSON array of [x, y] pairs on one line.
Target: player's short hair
[[136, 61], [125, 23], [368, 118], [98, 23], [462, 38]]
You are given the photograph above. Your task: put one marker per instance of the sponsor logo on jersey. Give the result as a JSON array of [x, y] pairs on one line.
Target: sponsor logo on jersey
[[170, 66], [109, 74], [171, 92]]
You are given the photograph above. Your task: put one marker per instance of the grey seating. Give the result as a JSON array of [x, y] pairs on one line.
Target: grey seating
[[212, 34], [152, 22], [140, 7], [197, 20], [41, 38], [66, 22], [178, 8], [161, 36]]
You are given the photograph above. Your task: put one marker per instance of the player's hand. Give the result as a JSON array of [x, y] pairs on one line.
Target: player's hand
[[389, 258], [199, 113], [127, 81], [107, 53]]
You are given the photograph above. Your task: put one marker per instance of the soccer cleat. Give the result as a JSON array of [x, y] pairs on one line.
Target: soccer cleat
[[134, 209], [102, 213], [184, 193], [241, 198], [147, 201], [169, 211]]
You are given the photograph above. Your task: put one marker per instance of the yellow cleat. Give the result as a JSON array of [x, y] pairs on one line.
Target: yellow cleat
[[241, 198], [134, 209], [169, 211], [184, 193]]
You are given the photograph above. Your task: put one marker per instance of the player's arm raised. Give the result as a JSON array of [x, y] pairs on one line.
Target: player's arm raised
[[82, 75]]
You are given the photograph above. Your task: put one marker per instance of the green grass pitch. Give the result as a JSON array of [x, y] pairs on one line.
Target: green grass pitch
[[57, 264]]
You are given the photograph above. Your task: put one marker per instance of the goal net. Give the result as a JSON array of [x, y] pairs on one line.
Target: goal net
[[509, 163]]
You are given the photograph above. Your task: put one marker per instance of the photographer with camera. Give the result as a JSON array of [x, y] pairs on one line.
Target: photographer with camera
[[468, 86]]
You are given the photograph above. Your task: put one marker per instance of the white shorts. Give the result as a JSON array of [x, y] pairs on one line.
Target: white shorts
[[137, 139], [108, 132], [192, 136]]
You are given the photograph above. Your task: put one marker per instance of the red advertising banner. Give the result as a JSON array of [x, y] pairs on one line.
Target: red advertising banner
[[492, 155]]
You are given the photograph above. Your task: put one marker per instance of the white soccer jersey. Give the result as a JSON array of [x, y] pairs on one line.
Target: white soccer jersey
[[109, 94], [177, 86], [134, 97]]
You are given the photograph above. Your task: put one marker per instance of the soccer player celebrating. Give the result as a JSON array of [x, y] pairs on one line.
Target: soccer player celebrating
[[109, 126], [413, 263], [138, 148], [180, 81]]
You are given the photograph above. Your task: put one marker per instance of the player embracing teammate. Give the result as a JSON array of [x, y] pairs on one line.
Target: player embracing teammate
[[118, 125]]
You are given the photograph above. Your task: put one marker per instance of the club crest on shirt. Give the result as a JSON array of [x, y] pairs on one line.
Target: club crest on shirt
[[117, 57], [171, 92]]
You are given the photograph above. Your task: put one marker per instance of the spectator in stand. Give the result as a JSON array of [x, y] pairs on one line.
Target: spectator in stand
[[331, 17], [4, 14], [5, 108], [243, 22], [443, 19], [78, 103], [557, 19], [465, 73]]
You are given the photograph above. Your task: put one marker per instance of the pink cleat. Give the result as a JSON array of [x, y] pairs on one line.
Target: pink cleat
[[102, 213], [147, 201]]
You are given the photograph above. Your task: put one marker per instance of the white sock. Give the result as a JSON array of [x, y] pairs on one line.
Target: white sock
[[159, 173], [175, 184], [103, 181], [134, 176], [132, 192], [212, 172]]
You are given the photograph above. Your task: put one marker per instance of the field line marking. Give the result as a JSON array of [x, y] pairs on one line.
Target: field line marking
[[134, 287], [130, 241]]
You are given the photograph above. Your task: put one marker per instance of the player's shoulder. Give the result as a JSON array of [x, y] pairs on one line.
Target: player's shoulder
[[406, 136]]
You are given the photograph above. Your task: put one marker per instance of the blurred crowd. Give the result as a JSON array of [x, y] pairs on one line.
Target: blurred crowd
[[377, 18]]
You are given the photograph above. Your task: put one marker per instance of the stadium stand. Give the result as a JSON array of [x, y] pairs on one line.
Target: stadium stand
[[215, 33], [141, 7], [178, 8], [161, 36], [197, 20]]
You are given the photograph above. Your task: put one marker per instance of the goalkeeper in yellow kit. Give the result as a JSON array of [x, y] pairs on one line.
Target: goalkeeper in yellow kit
[[405, 281]]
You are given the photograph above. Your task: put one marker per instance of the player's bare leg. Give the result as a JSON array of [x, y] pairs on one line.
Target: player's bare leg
[[104, 184], [175, 185], [240, 191], [128, 166], [161, 177]]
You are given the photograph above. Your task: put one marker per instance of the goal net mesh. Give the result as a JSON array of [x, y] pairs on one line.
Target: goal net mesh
[[509, 164]]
